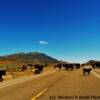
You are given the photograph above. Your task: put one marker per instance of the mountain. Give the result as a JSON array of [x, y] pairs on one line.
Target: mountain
[[32, 57], [93, 62]]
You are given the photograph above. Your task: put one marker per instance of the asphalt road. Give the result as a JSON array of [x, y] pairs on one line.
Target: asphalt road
[[59, 85]]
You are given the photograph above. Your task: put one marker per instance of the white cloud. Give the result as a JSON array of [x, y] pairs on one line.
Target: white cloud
[[43, 42]]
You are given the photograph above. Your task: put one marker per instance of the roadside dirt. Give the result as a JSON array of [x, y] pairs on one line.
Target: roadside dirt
[[14, 75]]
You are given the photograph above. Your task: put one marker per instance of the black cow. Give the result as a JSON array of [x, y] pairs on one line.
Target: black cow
[[58, 66], [83, 64], [30, 65], [77, 66], [86, 71], [24, 67], [38, 68], [87, 68], [96, 65], [68, 67], [2, 72]]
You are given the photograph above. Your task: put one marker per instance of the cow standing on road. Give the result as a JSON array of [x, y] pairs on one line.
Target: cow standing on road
[[87, 69]]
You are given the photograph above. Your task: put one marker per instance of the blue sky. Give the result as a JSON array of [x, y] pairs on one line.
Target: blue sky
[[64, 29]]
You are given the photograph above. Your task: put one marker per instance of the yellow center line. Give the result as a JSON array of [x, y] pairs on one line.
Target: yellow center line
[[39, 94]]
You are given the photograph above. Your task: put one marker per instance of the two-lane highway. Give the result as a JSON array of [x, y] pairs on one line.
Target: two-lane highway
[[59, 85]]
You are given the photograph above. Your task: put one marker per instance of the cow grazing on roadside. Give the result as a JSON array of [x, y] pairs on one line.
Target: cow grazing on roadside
[[83, 64], [59, 66], [38, 68], [2, 72], [96, 65], [68, 67], [24, 67], [77, 65], [29, 66]]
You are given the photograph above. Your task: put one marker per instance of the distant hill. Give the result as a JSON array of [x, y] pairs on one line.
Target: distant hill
[[93, 62], [32, 57]]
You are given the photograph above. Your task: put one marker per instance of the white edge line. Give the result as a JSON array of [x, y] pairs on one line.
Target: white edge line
[[97, 75]]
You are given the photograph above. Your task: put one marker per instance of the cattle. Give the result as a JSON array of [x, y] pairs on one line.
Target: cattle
[[38, 68], [68, 67], [2, 72], [83, 64], [29, 66], [86, 70], [46, 65], [59, 66], [77, 66], [96, 65], [24, 67]]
